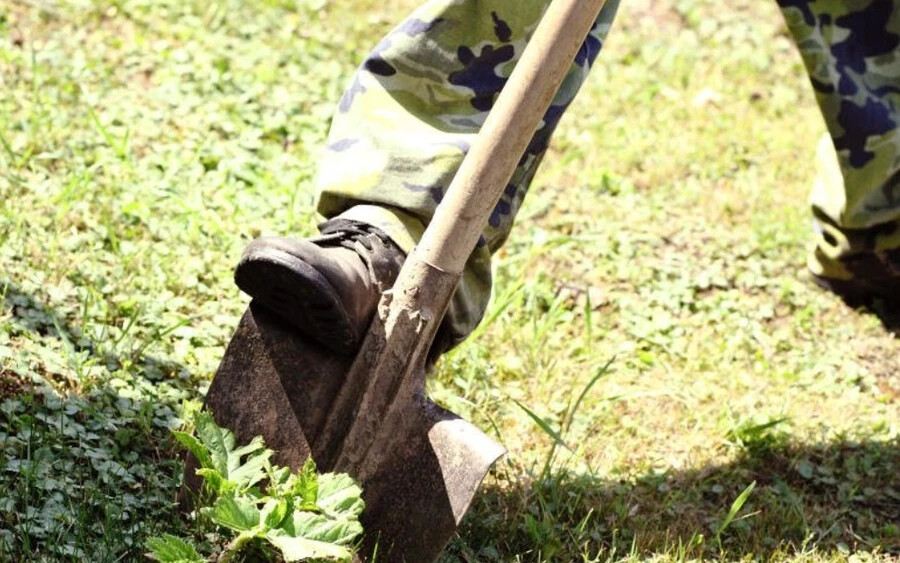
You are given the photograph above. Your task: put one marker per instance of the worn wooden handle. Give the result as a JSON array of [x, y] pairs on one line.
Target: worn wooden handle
[[460, 218]]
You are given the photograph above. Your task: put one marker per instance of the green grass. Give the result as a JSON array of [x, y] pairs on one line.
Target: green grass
[[142, 144]]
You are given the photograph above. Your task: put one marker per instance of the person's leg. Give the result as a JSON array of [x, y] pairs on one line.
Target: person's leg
[[405, 123], [851, 49]]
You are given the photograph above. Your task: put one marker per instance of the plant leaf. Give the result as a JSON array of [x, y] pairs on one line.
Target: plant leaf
[[235, 455], [602, 371], [241, 539], [304, 549], [307, 486], [319, 527], [544, 426], [252, 471], [239, 514], [273, 513], [194, 446], [222, 456], [171, 549], [735, 508], [219, 441], [279, 478], [340, 496], [215, 481]]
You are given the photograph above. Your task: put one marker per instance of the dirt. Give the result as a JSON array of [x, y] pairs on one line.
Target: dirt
[[11, 385], [881, 359]]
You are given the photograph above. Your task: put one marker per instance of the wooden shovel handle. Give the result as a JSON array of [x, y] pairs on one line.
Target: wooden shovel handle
[[460, 218]]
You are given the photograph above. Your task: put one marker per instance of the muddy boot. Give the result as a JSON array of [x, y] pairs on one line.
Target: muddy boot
[[326, 287]]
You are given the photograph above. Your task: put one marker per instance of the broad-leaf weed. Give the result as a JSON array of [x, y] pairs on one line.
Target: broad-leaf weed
[[304, 515]]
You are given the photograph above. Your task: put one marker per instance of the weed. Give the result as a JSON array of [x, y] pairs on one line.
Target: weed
[[301, 516]]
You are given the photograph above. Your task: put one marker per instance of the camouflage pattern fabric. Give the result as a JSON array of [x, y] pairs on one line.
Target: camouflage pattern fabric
[[406, 121], [851, 49]]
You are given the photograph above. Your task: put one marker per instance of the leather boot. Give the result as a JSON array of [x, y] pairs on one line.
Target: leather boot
[[326, 287]]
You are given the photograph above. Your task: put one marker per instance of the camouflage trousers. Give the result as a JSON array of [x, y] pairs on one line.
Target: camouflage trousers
[[406, 121]]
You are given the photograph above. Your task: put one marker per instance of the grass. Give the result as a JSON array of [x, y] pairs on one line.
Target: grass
[[142, 144]]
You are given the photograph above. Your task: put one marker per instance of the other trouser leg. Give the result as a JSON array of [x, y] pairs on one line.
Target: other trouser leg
[[851, 49], [405, 123]]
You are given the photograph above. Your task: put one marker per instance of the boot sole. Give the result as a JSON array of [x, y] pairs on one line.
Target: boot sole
[[297, 293]]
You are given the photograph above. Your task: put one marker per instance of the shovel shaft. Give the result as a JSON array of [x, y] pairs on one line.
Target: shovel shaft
[[460, 218]]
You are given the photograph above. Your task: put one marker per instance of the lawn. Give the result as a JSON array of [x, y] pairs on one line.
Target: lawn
[[660, 256]]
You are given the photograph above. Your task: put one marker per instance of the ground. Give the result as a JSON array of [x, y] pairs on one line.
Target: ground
[[660, 256]]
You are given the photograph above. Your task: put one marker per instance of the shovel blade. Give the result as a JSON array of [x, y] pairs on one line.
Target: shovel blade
[[275, 383], [426, 478]]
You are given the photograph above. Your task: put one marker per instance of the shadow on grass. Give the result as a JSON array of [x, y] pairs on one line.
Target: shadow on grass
[[832, 498], [890, 318], [87, 464], [887, 312]]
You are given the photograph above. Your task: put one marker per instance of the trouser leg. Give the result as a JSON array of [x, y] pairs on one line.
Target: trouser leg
[[851, 49], [410, 114]]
